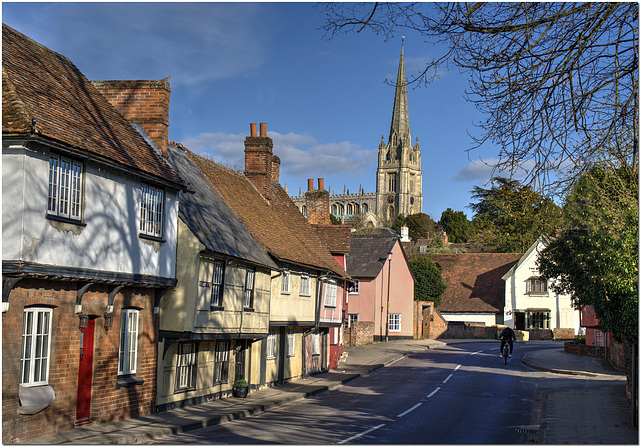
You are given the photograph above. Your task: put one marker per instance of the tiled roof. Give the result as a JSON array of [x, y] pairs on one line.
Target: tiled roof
[[474, 281], [336, 238], [210, 219], [40, 84], [368, 253], [278, 225]]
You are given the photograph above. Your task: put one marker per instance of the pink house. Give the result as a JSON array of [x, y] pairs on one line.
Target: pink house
[[384, 284]]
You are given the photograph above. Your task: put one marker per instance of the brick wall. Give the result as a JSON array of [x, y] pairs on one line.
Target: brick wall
[[318, 207], [108, 403], [360, 333], [145, 103]]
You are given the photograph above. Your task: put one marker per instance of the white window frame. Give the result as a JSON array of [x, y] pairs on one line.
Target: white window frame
[[250, 284], [353, 317], [272, 346], [356, 287], [151, 211], [305, 285], [186, 366], [217, 283], [221, 363], [395, 322], [286, 282], [65, 187], [330, 293], [36, 346], [128, 346], [291, 344]]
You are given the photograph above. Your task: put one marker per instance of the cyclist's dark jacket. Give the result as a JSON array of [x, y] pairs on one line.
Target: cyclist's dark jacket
[[507, 334]]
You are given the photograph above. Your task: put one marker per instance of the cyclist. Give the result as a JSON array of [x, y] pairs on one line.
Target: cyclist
[[507, 335]]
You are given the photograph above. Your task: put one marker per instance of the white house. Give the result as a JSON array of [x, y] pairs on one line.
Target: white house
[[530, 302]]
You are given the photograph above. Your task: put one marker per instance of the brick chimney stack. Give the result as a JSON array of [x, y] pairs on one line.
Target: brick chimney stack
[[145, 103], [317, 204], [259, 160]]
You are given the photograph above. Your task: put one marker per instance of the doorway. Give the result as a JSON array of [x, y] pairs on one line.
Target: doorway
[[85, 372]]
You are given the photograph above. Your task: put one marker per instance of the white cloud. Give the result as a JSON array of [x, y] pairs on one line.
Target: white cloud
[[301, 155], [191, 42], [481, 171]]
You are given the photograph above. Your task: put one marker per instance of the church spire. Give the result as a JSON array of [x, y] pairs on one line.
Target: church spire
[[400, 117]]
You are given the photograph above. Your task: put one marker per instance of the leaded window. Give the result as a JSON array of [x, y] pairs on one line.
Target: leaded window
[[221, 364], [186, 366], [65, 187], [128, 350], [151, 211], [36, 342]]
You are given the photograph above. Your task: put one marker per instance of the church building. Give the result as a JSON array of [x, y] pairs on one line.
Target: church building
[[398, 176]]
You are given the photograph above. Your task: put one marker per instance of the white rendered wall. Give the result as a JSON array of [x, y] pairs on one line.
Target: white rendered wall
[[111, 207], [489, 319]]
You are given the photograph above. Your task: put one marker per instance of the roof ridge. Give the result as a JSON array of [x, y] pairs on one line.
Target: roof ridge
[[10, 95]]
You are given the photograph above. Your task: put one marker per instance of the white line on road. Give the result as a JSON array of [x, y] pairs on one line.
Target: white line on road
[[361, 434], [457, 367], [434, 392], [475, 353], [447, 379], [409, 410]]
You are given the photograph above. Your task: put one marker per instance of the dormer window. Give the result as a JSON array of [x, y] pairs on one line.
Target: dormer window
[[535, 285]]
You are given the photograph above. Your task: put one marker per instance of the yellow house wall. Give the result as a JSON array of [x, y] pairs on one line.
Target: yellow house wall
[[292, 307]]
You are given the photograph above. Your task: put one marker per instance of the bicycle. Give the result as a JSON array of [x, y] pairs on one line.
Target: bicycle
[[506, 351]]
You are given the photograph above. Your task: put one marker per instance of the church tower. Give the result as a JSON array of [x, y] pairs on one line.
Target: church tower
[[399, 173]]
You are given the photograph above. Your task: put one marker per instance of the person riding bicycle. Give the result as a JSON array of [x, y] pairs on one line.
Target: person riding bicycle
[[507, 335]]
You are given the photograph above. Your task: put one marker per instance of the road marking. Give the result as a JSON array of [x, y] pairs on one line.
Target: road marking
[[409, 410], [447, 379], [475, 353], [434, 392], [457, 367], [361, 434]]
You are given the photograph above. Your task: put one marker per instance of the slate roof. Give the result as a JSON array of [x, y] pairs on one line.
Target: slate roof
[[209, 217], [278, 225], [40, 84], [474, 281], [369, 250]]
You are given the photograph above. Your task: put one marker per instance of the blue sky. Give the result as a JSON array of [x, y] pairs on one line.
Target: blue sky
[[325, 102]]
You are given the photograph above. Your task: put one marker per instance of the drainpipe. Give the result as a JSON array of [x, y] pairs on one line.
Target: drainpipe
[[388, 294]]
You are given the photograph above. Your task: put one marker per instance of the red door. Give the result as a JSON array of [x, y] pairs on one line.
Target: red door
[[83, 405]]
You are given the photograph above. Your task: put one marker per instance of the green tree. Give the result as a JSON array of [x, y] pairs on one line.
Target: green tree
[[429, 282], [510, 216], [335, 220], [455, 224], [596, 260], [420, 225], [557, 81]]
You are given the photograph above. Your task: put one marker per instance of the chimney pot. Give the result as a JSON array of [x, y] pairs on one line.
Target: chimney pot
[[254, 129], [310, 184], [320, 183], [263, 129]]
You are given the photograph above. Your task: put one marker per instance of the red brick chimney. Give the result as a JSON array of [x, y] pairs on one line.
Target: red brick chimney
[[317, 204], [258, 160], [275, 168], [145, 103]]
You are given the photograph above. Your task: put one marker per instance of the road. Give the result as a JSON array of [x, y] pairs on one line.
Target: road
[[455, 394]]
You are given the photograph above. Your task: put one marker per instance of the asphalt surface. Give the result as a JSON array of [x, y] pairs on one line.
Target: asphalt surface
[[590, 416]]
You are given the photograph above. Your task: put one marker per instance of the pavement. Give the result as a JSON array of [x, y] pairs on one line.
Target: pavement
[[597, 415]]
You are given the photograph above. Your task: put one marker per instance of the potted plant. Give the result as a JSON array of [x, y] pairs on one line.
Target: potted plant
[[241, 388]]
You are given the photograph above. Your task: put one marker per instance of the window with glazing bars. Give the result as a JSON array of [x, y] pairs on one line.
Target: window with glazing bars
[[217, 283], [305, 285], [36, 342], [151, 211], [221, 364], [248, 288], [186, 366], [65, 188], [330, 293], [128, 349]]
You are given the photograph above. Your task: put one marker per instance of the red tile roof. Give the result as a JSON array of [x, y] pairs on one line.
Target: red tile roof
[[40, 84], [474, 281], [277, 224], [337, 238]]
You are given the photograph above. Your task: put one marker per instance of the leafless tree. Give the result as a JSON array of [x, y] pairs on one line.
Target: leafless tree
[[557, 82]]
